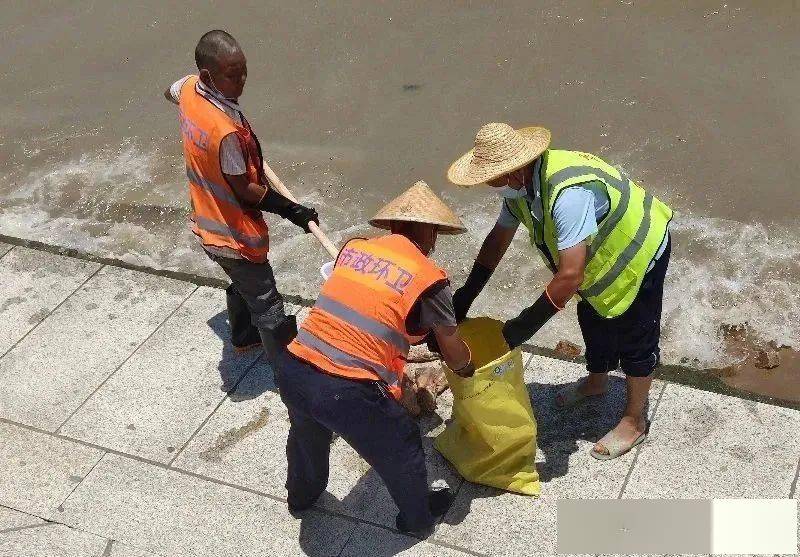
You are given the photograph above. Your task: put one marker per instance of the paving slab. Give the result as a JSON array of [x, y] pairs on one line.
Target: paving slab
[[153, 404], [301, 314], [117, 549], [491, 522], [377, 542], [165, 511], [56, 367], [51, 540], [244, 443], [11, 519], [705, 445], [38, 471], [290, 308], [34, 283], [5, 248], [565, 437]]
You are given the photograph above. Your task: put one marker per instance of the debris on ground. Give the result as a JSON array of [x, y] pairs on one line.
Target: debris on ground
[[741, 344], [767, 358], [423, 382], [431, 382], [420, 353], [568, 349], [764, 368]]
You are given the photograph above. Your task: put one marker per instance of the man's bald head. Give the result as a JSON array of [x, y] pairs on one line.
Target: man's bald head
[[212, 47]]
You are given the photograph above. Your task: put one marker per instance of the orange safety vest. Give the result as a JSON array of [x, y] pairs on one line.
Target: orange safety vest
[[357, 328], [219, 219]]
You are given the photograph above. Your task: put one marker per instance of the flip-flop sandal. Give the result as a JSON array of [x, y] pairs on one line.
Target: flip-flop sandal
[[616, 447], [571, 396]]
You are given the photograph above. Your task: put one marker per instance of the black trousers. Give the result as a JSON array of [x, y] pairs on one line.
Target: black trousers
[[371, 422], [255, 308]]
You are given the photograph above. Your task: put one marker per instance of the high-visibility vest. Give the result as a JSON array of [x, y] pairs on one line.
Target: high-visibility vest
[[628, 237], [357, 328], [219, 219]]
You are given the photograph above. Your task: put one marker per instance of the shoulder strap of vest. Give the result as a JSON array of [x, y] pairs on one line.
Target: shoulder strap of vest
[[208, 109]]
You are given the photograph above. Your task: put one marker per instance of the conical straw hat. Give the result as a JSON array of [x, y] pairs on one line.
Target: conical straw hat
[[419, 204], [499, 149]]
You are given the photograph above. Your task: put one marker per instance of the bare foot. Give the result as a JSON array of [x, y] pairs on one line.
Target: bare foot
[[627, 430], [592, 385]]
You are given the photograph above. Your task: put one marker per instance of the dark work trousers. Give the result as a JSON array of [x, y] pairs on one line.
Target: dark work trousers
[[369, 419], [629, 341], [243, 332], [253, 302]]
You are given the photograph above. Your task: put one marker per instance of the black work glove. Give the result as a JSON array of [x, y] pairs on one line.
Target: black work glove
[[297, 214], [524, 326], [464, 296], [301, 216]]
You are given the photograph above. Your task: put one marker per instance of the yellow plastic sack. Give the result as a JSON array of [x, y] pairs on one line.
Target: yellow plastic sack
[[491, 439]]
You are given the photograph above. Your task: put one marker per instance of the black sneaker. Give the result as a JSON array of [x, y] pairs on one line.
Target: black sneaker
[[439, 500]]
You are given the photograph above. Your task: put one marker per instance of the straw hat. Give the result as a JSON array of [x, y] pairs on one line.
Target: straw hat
[[419, 204], [499, 149]]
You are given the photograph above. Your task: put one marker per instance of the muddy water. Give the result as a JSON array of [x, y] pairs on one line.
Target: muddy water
[[354, 101]]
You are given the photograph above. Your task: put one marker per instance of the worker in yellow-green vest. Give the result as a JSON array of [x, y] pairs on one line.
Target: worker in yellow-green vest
[[604, 238]]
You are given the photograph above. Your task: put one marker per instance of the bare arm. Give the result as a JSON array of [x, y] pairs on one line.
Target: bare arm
[[495, 246], [568, 279], [562, 288], [168, 96], [454, 350]]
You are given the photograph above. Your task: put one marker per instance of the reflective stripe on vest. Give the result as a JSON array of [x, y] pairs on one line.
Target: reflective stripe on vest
[[357, 327], [214, 227], [365, 324], [626, 257], [222, 193], [345, 359], [627, 238]]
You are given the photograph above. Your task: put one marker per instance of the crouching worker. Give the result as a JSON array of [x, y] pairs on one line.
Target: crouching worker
[[343, 371]]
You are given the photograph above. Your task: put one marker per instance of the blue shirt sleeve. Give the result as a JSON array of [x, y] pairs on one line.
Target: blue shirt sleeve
[[574, 216], [506, 219]]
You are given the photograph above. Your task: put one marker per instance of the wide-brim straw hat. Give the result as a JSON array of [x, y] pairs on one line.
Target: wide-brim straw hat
[[419, 204], [499, 149]]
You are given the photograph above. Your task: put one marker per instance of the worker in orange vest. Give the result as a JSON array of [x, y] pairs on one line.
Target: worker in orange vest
[[229, 190], [342, 373]]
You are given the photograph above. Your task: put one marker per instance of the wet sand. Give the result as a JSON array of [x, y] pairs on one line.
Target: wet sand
[[759, 367], [781, 382], [355, 101]]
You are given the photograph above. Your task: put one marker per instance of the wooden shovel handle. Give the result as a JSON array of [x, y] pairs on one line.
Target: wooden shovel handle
[[315, 230]]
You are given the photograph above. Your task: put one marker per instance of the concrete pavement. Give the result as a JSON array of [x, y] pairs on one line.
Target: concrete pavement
[[129, 428]]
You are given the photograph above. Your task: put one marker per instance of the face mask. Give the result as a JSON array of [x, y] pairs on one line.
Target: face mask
[[508, 192], [217, 91]]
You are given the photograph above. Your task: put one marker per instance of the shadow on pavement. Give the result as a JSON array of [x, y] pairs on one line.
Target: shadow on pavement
[[559, 430], [230, 374], [259, 380], [558, 433]]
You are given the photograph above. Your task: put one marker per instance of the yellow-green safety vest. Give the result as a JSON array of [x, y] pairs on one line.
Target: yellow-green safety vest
[[627, 238]]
